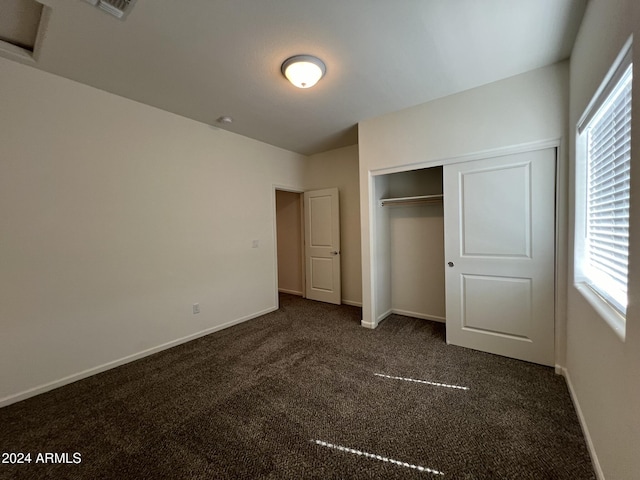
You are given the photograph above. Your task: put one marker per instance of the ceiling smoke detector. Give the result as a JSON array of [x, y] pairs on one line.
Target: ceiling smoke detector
[[117, 8], [225, 120]]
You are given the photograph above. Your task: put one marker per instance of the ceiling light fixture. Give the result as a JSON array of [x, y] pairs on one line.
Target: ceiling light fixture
[[303, 71]]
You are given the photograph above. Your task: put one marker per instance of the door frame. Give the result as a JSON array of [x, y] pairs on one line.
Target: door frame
[[371, 317], [300, 192]]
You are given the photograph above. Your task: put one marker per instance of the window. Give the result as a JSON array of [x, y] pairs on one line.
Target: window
[[603, 159]]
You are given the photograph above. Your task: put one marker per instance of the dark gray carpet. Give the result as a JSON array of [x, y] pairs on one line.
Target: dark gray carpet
[[249, 401]]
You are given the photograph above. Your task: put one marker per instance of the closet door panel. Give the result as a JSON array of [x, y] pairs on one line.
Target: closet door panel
[[499, 249]]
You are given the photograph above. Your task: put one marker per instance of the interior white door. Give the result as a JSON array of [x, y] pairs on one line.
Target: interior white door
[[499, 247], [322, 245]]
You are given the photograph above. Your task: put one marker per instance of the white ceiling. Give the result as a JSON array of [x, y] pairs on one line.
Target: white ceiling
[[207, 58]]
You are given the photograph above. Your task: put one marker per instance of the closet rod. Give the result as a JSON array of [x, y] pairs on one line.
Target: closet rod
[[419, 200]]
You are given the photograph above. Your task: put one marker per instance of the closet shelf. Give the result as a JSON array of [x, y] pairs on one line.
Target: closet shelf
[[419, 200]]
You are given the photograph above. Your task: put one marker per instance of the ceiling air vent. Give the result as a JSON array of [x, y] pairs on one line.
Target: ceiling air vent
[[117, 8]]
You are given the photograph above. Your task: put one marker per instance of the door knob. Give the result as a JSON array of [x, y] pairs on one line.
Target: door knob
[[334, 253], [450, 264]]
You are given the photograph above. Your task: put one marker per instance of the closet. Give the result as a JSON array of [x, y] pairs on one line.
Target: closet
[[496, 282], [412, 225]]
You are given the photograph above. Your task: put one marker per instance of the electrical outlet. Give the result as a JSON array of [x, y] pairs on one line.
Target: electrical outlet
[[196, 308]]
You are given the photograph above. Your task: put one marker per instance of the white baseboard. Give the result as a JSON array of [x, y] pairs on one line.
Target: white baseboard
[[422, 316], [291, 292], [406, 313], [32, 392], [301, 294], [368, 324], [352, 303], [585, 430], [381, 317]]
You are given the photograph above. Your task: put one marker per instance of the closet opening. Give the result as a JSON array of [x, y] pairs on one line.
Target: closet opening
[[411, 234]]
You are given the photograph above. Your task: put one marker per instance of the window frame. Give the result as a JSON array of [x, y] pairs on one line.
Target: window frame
[[607, 309]]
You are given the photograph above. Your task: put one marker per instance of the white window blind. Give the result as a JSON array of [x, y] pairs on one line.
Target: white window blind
[[607, 203]]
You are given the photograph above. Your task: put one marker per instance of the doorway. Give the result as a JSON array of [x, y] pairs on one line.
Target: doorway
[[290, 242], [308, 244]]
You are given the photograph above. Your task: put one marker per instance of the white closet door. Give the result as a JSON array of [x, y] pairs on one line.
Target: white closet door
[[322, 245], [499, 248]]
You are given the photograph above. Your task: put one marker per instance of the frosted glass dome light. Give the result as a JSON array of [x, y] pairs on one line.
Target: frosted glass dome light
[[304, 71]]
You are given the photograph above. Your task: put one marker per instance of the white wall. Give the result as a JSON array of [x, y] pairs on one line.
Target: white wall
[[290, 242], [602, 369], [524, 109], [339, 168], [115, 218]]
